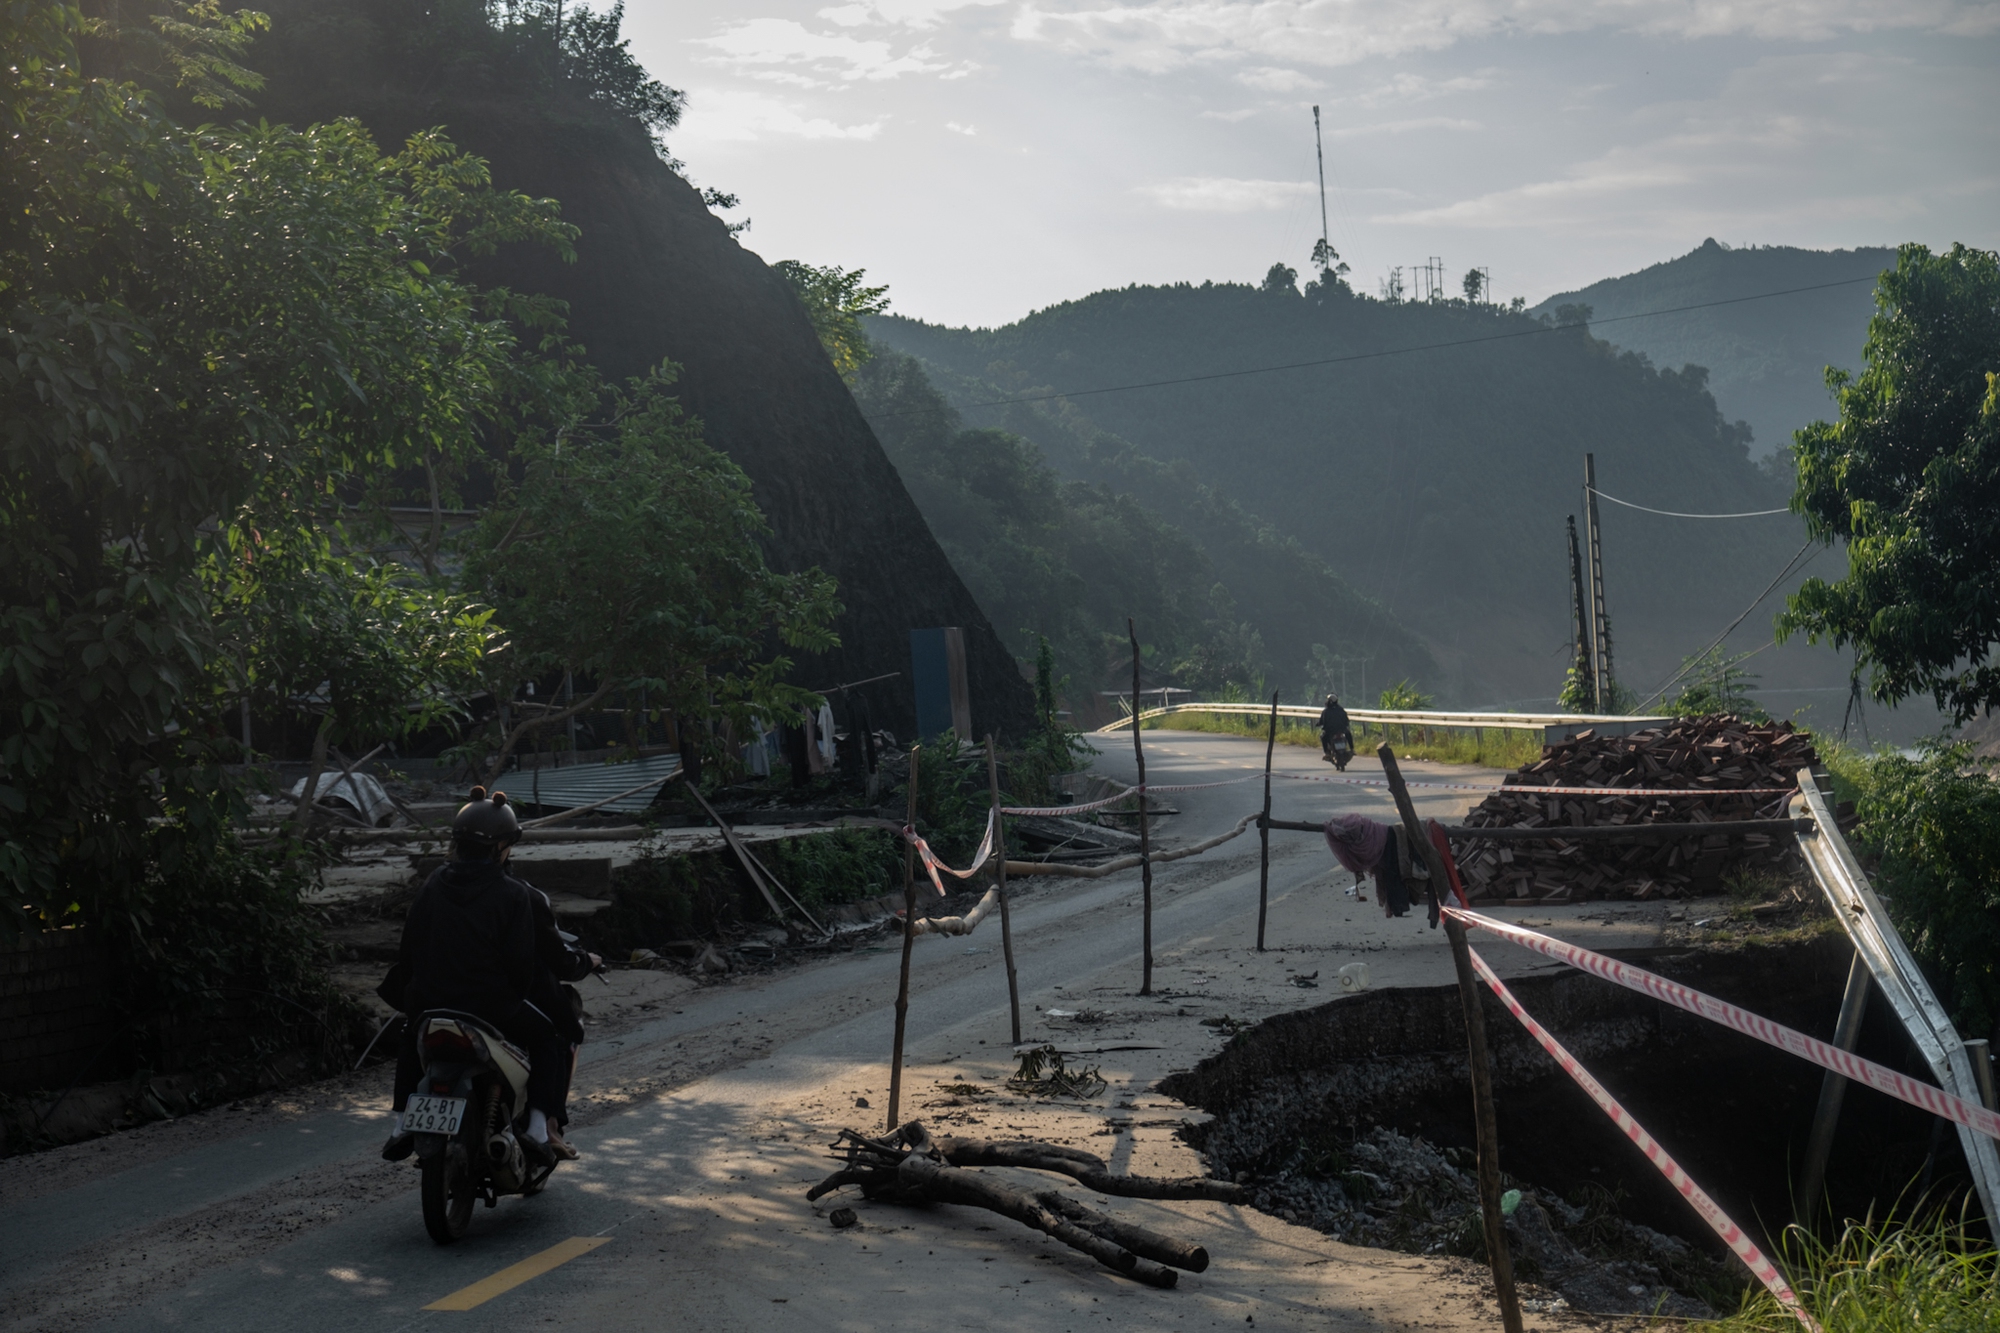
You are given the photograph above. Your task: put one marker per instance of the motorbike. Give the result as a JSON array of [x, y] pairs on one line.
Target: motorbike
[[1338, 750], [468, 1115]]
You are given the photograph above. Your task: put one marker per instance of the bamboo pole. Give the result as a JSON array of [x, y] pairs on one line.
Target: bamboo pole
[[909, 940], [1145, 845], [1475, 1035], [1264, 827], [1000, 883]]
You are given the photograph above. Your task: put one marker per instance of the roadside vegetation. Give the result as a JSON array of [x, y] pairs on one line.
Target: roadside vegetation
[[1487, 747], [237, 359], [1894, 1275]]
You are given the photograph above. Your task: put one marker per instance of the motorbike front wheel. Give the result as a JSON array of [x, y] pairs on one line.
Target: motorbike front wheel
[[448, 1194]]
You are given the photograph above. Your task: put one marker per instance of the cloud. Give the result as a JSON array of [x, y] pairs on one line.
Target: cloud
[[1266, 78], [781, 50], [897, 13], [728, 115], [1167, 35], [1402, 127], [1784, 131], [1224, 194], [956, 128], [1230, 117]]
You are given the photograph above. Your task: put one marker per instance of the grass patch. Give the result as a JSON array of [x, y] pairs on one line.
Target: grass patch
[[1490, 747], [1890, 1276]]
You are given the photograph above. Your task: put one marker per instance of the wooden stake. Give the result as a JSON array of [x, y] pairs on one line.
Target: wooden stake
[[1000, 883], [1475, 1036], [909, 940], [1264, 826], [1145, 846]]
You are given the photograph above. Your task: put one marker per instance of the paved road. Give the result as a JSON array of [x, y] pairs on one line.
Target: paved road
[[656, 1176]]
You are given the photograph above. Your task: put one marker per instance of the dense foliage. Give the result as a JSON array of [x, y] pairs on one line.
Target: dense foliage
[[229, 352], [207, 332], [1933, 823], [625, 551], [1435, 481], [836, 300], [1909, 479]]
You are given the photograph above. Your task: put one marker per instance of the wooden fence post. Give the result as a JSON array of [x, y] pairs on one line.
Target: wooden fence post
[[1145, 841], [1475, 1037], [1000, 883], [909, 940], [1264, 826]]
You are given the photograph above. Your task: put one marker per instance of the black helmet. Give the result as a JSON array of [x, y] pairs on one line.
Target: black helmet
[[482, 826]]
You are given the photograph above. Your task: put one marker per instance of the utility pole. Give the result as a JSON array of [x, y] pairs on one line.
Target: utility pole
[[1579, 657], [1600, 628]]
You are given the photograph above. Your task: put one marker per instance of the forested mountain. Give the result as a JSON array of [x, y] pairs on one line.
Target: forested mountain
[[1766, 358], [559, 110], [1428, 455], [1219, 599]]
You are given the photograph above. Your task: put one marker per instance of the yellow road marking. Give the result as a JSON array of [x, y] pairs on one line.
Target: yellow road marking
[[507, 1279]]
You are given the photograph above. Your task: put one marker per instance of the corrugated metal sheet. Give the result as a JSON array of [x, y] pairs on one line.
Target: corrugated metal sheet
[[581, 784]]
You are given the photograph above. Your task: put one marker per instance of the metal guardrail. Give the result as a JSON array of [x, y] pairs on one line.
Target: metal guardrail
[[1896, 975], [1542, 722]]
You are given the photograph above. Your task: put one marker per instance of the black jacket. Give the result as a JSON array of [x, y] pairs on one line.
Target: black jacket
[[470, 942], [1333, 721]]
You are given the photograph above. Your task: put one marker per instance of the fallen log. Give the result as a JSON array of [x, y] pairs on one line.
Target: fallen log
[[1087, 1169], [909, 1167]]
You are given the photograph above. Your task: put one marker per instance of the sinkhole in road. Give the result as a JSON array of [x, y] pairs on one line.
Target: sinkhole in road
[[1355, 1117]]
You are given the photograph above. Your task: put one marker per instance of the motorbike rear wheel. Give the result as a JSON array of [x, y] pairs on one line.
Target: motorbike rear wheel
[[448, 1192]]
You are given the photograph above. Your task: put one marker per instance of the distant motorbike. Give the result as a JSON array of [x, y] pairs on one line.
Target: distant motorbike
[[1337, 750], [468, 1114]]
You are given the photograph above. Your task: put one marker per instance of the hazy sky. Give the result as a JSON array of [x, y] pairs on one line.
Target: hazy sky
[[988, 157]]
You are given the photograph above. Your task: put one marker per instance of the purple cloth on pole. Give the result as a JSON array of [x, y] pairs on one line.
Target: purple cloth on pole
[[1357, 842]]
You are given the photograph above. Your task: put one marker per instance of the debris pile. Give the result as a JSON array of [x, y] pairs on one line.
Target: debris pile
[[1400, 1192], [1718, 753]]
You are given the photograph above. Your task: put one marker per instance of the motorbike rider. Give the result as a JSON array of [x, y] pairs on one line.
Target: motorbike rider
[[1333, 722], [473, 943]]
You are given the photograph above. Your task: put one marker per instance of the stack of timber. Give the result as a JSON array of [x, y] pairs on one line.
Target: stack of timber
[[1720, 753]]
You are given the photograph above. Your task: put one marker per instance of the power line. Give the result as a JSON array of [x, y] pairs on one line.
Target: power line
[[1794, 563], [1754, 513], [1392, 351]]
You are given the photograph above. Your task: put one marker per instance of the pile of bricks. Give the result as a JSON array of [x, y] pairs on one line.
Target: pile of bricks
[[1720, 753]]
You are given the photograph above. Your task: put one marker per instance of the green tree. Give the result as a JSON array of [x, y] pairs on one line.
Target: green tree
[[1717, 683], [206, 333], [1934, 824], [836, 300], [1405, 697], [624, 550], [363, 651], [1909, 478]]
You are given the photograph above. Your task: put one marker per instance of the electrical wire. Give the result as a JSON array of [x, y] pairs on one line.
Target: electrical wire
[[1754, 513], [1693, 662], [1385, 352]]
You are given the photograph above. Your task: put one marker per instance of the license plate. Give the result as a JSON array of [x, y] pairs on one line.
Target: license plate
[[433, 1115]]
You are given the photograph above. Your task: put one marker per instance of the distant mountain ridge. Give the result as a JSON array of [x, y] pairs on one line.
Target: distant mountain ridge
[[1429, 459], [1766, 358]]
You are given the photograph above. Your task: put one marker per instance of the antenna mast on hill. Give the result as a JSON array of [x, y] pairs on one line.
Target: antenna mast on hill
[[1319, 153]]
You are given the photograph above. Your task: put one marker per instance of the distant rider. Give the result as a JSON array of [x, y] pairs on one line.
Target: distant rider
[[474, 941], [1332, 723]]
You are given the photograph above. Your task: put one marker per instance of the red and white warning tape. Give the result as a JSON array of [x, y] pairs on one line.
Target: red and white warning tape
[[1917, 1093], [932, 865], [1150, 789], [1732, 1235]]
